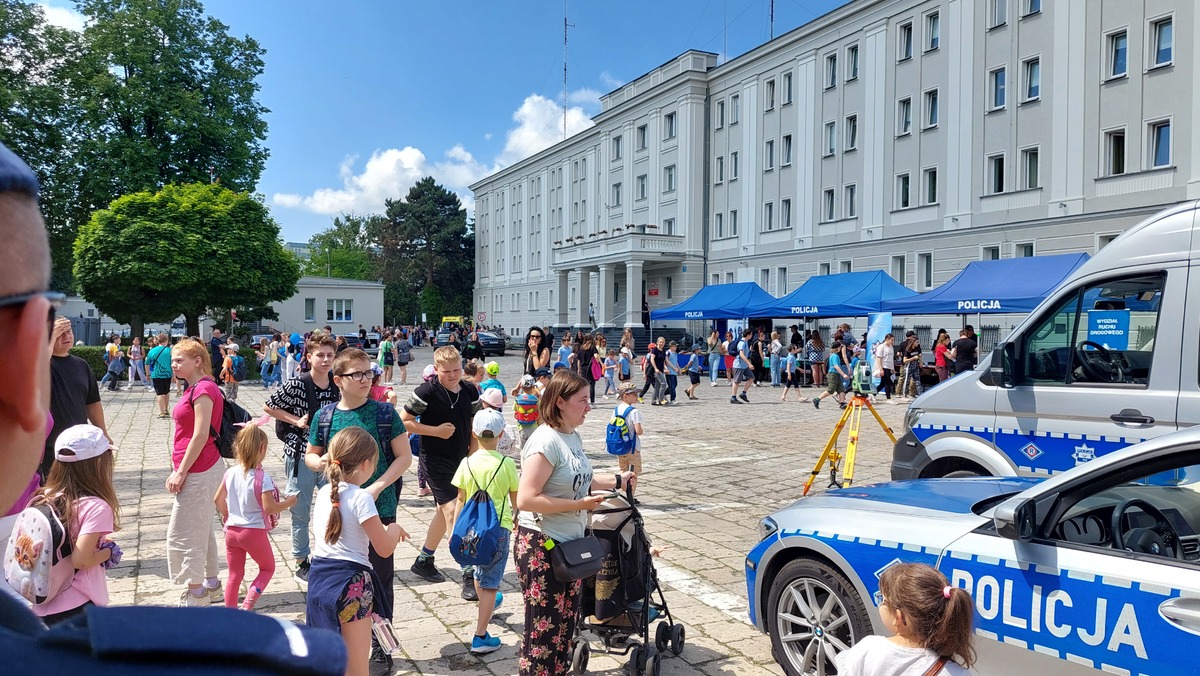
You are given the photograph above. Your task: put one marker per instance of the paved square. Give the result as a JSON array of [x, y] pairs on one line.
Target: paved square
[[712, 471]]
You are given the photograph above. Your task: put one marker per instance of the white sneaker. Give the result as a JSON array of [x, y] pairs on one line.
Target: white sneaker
[[714, 384], [189, 600]]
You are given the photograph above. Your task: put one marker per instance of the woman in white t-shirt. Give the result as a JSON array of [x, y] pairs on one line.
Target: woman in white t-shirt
[[341, 583], [885, 358], [554, 498]]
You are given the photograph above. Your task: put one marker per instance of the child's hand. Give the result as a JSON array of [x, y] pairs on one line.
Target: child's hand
[[114, 554], [657, 551], [398, 531]]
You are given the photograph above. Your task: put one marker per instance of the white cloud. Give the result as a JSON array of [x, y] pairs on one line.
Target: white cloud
[[609, 81], [585, 97], [63, 17], [391, 172], [487, 136]]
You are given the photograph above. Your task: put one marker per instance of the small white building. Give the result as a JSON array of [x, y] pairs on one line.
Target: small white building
[[339, 303]]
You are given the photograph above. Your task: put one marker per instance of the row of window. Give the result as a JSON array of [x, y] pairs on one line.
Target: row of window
[[336, 310], [670, 131], [642, 187]]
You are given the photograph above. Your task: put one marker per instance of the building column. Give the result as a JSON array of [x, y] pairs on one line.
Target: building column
[[604, 296], [560, 317], [585, 297], [633, 294]]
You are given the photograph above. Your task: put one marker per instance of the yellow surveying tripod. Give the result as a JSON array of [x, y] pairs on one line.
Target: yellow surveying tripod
[[853, 415]]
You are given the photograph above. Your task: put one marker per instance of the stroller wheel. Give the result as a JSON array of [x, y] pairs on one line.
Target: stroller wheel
[[678, 636], [654, 665], [579, 658], [637, 660], [662, 637]]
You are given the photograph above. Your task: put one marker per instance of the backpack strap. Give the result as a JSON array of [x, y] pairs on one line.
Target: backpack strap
[[383, 427], [324, 424], [489, 483], [258, 491], [936, 667], [212, 431]]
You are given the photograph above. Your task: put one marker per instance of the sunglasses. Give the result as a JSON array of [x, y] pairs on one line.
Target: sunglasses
[[55, 298]]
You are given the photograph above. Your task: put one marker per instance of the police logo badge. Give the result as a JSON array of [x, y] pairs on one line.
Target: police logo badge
[[1031, 451], [1083, 453]]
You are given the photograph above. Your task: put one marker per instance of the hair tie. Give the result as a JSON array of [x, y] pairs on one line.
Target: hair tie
[[335, 503], [946, 591], [336, 462]]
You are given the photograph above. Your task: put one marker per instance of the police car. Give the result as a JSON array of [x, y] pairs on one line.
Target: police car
[[1094, 569]]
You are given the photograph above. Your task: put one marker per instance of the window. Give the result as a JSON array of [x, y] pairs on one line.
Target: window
[[904, 42], [998, 79], [764, 278], [718, 226], [931, 109], [1118, 54], [850, 201], [851, 63], [831, 71], [787, 88], [729, 278], [924, 271], [846, 266], [828, 208], [933, 31], [930, 178], [769, 155], [786, 155], [989, 253], [1029, 168], [768, 223], [669, 226], [1033, 7], [1160, 144], [310, 310], [669, 126], [1114, 152], [902, 193], [616, 194], [733, 165], [339, 310], [669, 179], [1033, 79], [720, 170], [998, 16], [1104, 240], [781, 281], [995, 174], [770, 95], [830, 138], [641, 186], [900, 268], [716, 278], [1023, 250], [669, 288], [851, 132], [734, 108], [823, 269], [616, 148], [785, 214], [903, 116], [733, 223], [1162, 41], [641, 137], [720, 115]]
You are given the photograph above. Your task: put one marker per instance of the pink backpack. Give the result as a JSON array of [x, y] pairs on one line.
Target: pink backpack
[[269, 520]]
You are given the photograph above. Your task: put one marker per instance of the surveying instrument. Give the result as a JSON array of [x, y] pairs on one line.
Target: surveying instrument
[[861, 391]]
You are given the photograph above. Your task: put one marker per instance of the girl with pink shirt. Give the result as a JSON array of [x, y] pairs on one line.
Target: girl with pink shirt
[[80, 491]]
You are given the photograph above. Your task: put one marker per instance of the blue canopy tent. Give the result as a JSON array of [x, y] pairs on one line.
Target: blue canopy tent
[[718, 301], [992, 287], [848, 294]]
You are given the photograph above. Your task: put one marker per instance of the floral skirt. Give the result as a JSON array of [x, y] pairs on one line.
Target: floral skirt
[[551, 609]]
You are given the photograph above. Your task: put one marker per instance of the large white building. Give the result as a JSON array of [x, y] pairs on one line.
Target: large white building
[[911, 137]]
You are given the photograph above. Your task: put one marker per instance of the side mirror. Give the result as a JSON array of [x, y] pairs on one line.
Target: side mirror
[[1015, 518], [1000, 370]]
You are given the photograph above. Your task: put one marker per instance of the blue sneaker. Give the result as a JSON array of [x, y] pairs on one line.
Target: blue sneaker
[[499, 600], [485, 644]]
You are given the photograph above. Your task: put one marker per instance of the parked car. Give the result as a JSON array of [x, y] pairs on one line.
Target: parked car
[[372, 345], [442, 339], [1094, 568], [352, 340], [492, 343]]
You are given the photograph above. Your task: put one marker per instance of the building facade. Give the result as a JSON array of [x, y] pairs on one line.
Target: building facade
[[910, 137]]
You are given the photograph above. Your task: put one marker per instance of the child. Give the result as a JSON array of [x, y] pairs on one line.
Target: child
[[610, 373], [930, 622], [492, 369], [834, 376], [790, 376], [623, 362], [627, 395], [542, 377], [244, 510], [80, 490], [472, 373], [565, 353], [343, 589], [227, 379], [381, 393], [116, 366], [487, 470], [491, 399], [525, 408], [673, 371], [693, 371]]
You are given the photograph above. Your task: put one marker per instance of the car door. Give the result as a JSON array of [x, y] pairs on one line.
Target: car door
[[1060, 413]]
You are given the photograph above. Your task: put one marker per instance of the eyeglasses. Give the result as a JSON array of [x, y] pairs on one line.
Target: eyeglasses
[[358, 376], [55, 298]]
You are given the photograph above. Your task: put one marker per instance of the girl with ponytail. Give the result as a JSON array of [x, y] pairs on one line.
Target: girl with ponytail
[[930, 622], [341, 584]]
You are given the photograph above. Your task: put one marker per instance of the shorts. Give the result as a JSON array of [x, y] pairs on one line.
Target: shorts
[[694, 377], [161, 385], [490, 575], [624, 377], [833, 383], [356, 599], [742, 375], [443, 490]]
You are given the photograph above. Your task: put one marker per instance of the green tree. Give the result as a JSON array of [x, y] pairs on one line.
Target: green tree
[[182, 250], [424, 244], [344, 250]]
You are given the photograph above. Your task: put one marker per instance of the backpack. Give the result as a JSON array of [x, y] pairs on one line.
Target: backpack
[[233, 417], [619, 438], [383, 425], [477, 528], [597, 369], [239, 368], [37, 560], [269, 520], [525, 406]]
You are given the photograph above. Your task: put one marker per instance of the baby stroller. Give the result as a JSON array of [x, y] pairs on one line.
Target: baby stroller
[[624, 598]]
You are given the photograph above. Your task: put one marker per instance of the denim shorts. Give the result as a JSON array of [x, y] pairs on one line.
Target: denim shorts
[[490, 575]]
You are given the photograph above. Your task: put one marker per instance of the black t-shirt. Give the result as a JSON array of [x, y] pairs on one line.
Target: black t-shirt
[[214, 346], [436, 405], [912, 349], [72, 389], [964, 351], [660, 359], [796, 339]]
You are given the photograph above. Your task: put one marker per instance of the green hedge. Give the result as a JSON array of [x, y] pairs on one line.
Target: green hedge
[[94, 356]]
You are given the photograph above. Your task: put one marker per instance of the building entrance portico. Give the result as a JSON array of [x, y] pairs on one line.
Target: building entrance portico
[[618, 298]]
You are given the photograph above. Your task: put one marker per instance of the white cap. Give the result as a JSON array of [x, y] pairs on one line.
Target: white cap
[[492, 397], [232, 346], [80, 442], [488, 423]]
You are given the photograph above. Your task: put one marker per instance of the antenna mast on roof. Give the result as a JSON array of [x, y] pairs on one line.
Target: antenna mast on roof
[[772, 20], [564, 94]]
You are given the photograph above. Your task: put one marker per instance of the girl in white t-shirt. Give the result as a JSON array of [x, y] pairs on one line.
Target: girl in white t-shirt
[[930, 622], [341, 583], [245, 499]]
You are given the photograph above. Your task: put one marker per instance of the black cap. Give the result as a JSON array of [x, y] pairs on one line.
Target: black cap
[[542, 372], [910, 334], [15, 175]]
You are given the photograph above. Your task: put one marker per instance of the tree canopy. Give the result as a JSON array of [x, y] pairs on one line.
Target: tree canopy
[[152, 256], [343, 250]]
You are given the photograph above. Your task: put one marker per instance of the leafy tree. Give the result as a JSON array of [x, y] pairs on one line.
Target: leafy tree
[[182, 250], [344, 250], [425, 245]]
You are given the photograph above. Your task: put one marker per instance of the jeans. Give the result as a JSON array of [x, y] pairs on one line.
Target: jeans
[[714, 366], [672, 383], [609, 385], [776, 362], [302, 481]]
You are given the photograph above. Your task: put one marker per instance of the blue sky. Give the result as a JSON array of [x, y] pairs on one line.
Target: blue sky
[[368, 96]]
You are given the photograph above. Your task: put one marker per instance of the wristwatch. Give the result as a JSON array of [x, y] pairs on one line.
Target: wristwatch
[[618, 486]]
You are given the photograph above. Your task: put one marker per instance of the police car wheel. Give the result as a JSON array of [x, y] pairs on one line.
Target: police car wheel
[[815, 613]]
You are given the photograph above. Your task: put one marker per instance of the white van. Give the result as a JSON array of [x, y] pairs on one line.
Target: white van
[[1110, 358]]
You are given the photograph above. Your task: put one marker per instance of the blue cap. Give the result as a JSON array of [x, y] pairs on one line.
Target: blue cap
[[15, 175], [560, 365]]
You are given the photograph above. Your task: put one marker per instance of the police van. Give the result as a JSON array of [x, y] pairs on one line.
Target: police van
[[1111, 358]]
